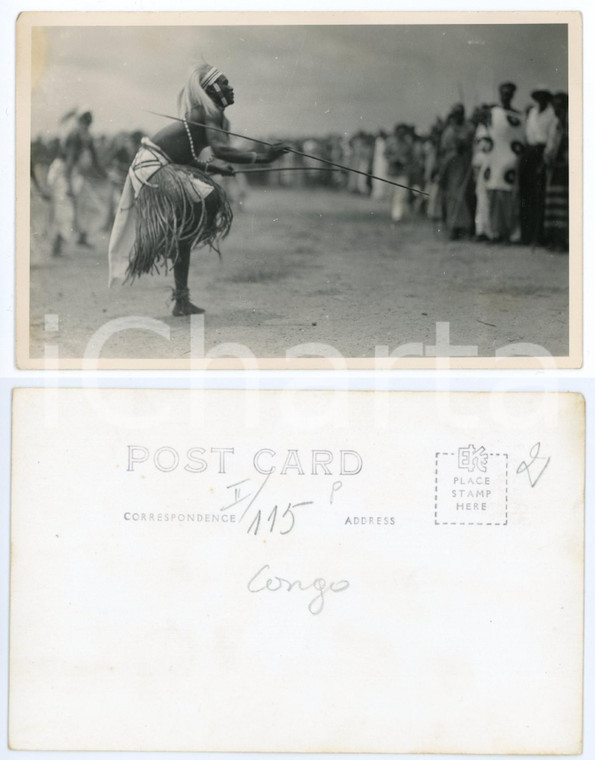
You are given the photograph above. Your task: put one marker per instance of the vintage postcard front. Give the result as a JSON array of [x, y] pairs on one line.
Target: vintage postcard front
[[297, 571], [385, 190]]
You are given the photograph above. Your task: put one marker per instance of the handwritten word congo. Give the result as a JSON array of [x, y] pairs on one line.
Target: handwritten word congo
[[275, 583]]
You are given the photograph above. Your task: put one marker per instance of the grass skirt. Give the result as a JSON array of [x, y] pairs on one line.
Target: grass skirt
[[180, 205]]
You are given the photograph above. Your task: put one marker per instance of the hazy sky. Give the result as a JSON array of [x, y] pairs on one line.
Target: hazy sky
[[291, 80]]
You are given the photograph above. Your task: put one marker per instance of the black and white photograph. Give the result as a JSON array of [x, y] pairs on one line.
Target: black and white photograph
[[299, 190]]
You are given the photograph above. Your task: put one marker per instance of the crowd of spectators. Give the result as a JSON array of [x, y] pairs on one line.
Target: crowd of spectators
[[496, 175]]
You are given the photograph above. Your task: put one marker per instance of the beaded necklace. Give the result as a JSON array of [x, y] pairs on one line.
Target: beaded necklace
[[192, 151]]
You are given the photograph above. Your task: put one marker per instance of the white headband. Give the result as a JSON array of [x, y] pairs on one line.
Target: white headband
[[211, 76]]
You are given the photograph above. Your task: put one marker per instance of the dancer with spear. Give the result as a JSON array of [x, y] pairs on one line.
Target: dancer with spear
[[170, 203]]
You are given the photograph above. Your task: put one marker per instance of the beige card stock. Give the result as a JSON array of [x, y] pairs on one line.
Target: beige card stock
[[297, 571]]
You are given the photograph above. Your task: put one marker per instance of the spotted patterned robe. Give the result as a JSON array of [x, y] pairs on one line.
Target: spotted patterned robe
[[506, 132], [501, 169]]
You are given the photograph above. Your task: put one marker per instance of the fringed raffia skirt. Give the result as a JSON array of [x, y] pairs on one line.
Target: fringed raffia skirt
[[179, 205]]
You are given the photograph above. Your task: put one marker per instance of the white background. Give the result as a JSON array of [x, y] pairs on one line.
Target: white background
[[575, 380]]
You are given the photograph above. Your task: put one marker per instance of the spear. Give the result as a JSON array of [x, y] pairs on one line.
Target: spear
[[289, 150], [286, 169]]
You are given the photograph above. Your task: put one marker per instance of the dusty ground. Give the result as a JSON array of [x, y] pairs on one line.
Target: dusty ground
[[311, 266]]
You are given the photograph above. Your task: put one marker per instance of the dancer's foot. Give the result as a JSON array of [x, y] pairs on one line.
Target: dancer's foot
[[183, 306]]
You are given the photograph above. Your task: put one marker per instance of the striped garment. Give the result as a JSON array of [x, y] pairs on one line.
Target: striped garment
[[556, 214]]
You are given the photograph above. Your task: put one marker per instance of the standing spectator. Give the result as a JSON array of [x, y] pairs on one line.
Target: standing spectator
[[362, 147], [380, 167], [501, 171], [66, 181], [540, 118], [364, 162], [556, 193], [417, 173], [432, 186], [313, 146], [398, 154], [482, 146], [336, 154], [456, 173], [353, 161]]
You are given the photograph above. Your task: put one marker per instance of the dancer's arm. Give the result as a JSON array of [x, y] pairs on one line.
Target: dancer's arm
[[223, 149]]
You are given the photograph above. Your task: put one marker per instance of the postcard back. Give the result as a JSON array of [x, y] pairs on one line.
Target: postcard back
[[297, 571]]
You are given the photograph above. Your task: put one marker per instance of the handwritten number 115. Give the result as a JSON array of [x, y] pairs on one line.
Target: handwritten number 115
[[286, 520]]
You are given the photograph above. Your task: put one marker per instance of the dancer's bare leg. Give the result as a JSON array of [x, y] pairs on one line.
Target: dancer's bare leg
[[182, 304]]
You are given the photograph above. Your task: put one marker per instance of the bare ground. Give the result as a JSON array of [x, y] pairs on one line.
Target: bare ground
[[312, 266]]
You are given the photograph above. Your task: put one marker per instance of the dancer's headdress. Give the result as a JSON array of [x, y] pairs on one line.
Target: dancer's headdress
[[211, 76], [194, 91]]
